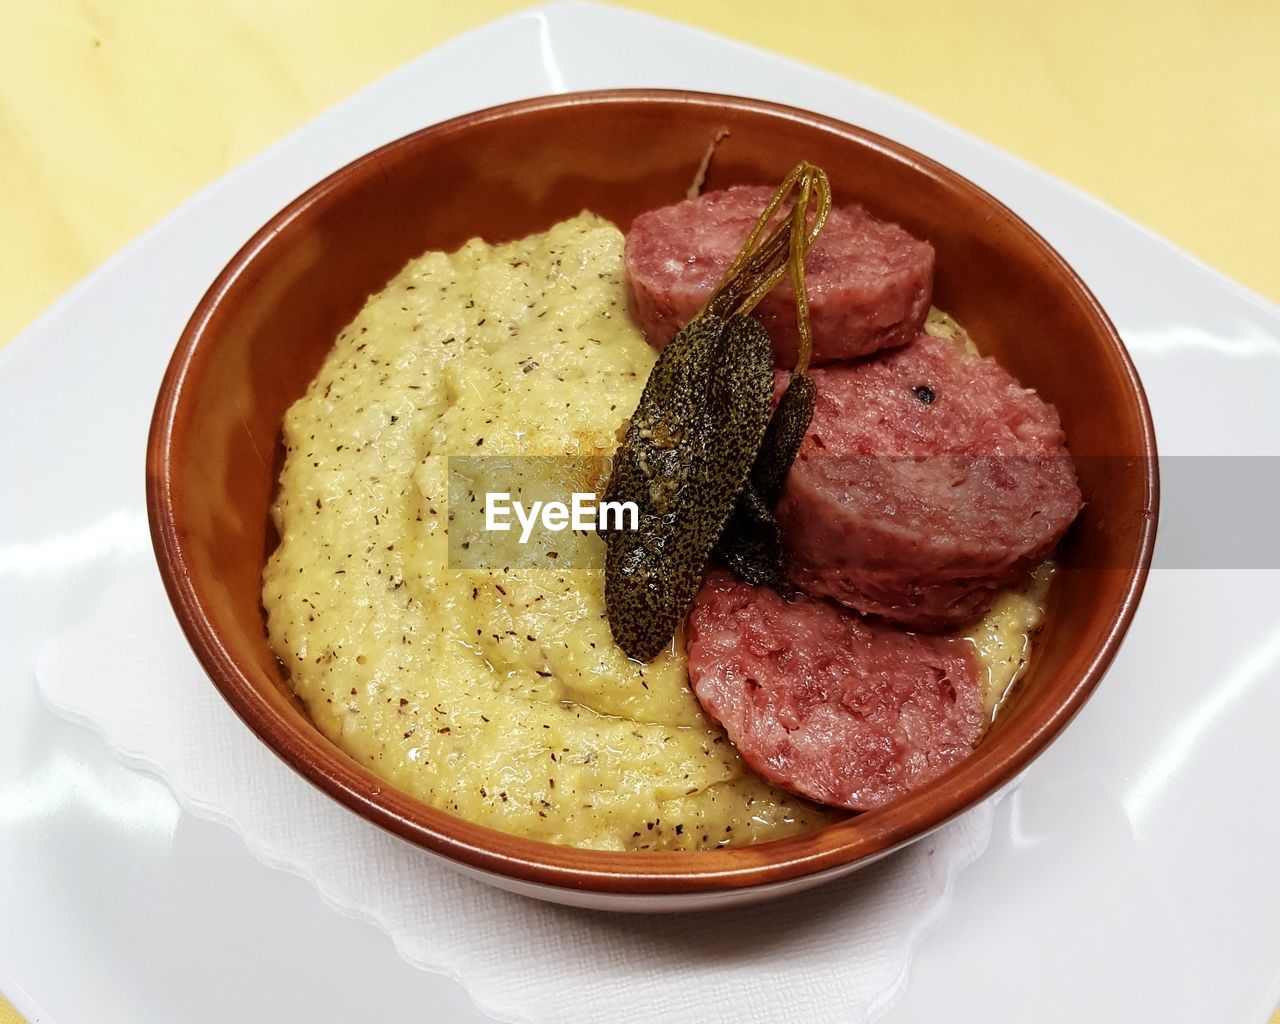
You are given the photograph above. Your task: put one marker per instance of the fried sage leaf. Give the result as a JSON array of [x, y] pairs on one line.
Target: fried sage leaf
[[782, 440], [684, 460], [696, 436], [751, 545]]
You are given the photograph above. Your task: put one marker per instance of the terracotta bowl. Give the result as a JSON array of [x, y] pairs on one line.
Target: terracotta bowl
[[259, 336]]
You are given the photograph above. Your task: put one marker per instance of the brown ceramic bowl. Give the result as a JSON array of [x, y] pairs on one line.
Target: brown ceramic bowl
[[259, 336]]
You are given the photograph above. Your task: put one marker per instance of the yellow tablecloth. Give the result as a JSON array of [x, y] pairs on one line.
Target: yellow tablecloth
[[114, 111]]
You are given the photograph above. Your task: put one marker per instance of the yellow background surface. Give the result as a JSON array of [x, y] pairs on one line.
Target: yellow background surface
[[114, 111]]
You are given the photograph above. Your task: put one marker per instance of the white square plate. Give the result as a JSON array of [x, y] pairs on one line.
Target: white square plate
[[1131, 875]]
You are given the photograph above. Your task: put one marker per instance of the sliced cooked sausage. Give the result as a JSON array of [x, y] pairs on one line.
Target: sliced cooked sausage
[[928, 479], [869, 282], [826, 704]]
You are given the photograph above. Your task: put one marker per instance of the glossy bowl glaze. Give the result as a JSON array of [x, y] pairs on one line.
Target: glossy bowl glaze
[[261, 332]]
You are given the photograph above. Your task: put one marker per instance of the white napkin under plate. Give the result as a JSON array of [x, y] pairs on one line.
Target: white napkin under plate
[[840, 953]]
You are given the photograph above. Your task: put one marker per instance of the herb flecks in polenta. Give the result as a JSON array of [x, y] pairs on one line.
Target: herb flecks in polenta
[[497, 696]]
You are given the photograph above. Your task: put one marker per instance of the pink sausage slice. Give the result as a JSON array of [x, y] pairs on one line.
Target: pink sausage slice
[[869, 282], [928, 479], [826, 704]]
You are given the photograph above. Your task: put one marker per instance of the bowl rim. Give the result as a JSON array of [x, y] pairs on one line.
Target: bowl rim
[[860, 838]]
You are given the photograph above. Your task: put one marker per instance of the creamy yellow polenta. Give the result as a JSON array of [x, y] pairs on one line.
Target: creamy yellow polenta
[[498, 694]]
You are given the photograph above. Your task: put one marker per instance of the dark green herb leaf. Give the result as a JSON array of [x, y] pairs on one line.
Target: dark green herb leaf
[[782, 440], [687, 453], [751, 545], [696, 437]]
